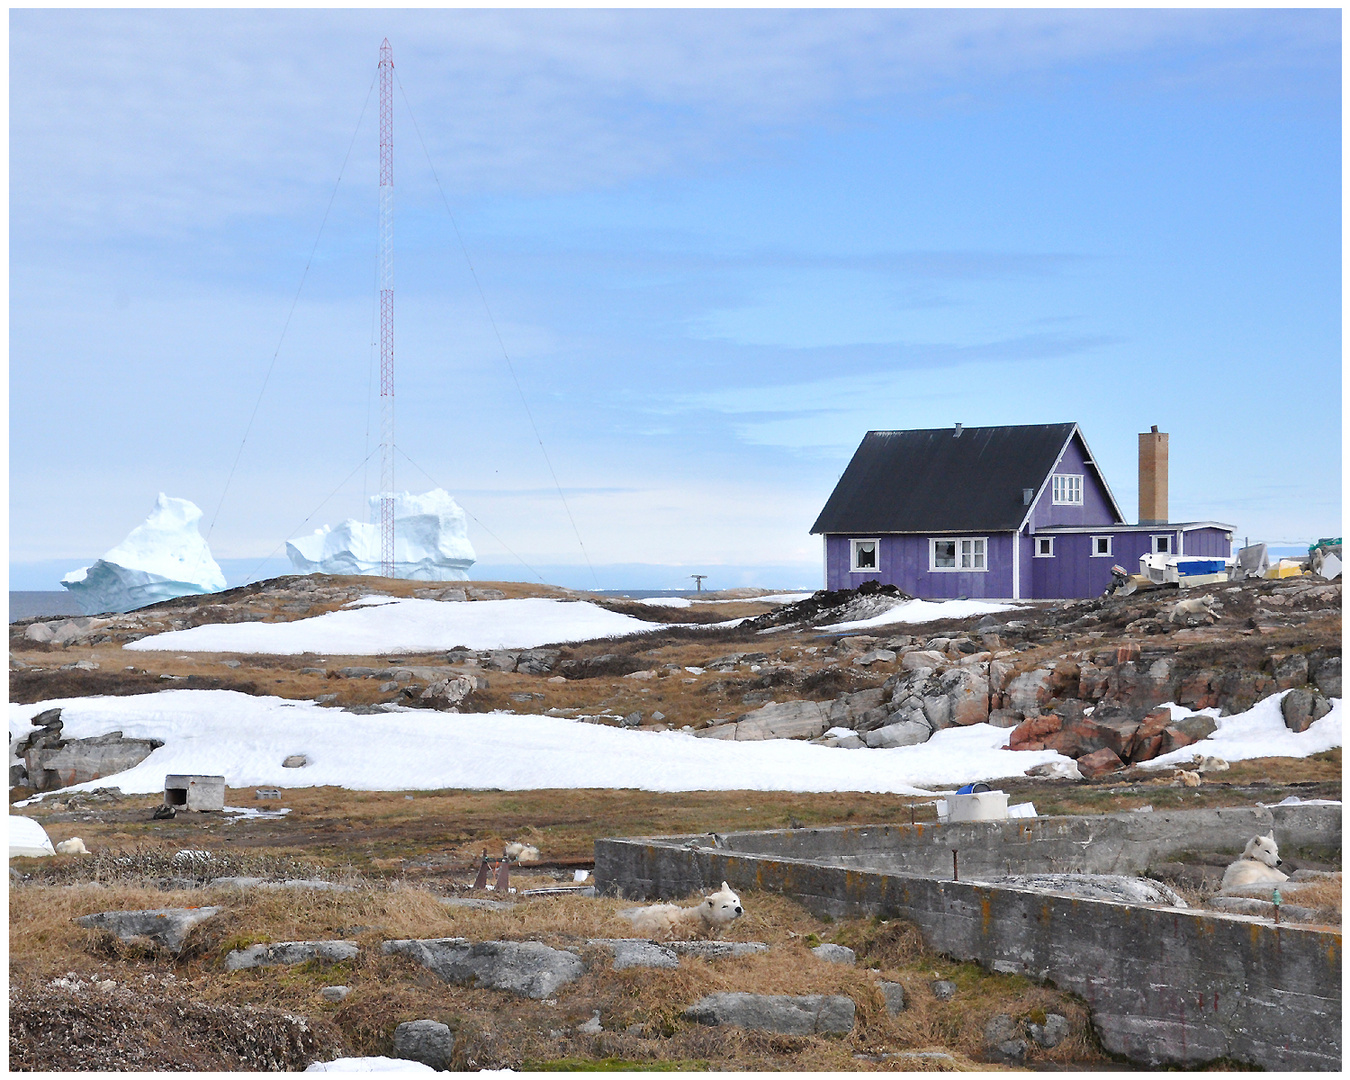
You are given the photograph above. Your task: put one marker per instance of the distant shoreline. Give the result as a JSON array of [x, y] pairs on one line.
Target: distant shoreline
[[31, 603], [28, 604]]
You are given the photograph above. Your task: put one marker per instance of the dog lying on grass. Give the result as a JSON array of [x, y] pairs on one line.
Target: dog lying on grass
[[707, 919], [1257, 865]]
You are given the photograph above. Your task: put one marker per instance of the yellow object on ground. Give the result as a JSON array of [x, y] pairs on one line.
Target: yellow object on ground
[[1285, 568], [1190, 581]]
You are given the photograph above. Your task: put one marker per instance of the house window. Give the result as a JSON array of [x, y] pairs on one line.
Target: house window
[[1045, 547], [1101, 546], [1162, 545], [959, 553], [864, 555], [1067, 490]]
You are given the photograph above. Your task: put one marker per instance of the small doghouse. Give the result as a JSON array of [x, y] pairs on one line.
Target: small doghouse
[[193, 792]]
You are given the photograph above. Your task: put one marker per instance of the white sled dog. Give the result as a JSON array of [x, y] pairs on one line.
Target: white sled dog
[[1257, 865], [709, 918]]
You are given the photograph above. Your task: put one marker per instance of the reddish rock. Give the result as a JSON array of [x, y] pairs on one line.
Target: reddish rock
[[1198, 691], [1127, 653], [1146, 749], [1028, 692], [1148, 736], [1172, 739], [1034, 731], [1064, 679], [1099, 763], [1092, 682]]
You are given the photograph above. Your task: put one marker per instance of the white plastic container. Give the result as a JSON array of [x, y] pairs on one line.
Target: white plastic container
[[978, 806]]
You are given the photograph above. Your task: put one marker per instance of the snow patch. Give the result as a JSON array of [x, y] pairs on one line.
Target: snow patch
[[1259, 732], [921, 611], [431, 542], [162, 558], [376, 626]]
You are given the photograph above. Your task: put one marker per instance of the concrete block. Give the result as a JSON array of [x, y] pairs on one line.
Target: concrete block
[[194, 791]]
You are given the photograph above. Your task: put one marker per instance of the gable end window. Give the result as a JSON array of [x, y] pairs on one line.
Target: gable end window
[[863, 556], [1101, 547], [1067, 490], [958, 553], [1045, 547]]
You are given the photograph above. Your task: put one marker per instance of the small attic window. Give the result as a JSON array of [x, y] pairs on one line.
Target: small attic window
[[864, 555], [1045, 547], [1067, 490]]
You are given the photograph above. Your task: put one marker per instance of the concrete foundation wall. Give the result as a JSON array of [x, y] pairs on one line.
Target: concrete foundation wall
[[1127, 843], [1165, 985]]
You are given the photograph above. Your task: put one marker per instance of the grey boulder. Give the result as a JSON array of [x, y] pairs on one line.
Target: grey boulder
[[528, 968], [289, 952], [164, 926], [717, 950], [910, 731], [426, 1041], [1118, 888], [894, 994], [637, 952], [810, 1014], [835, 954], [1050, 1034]]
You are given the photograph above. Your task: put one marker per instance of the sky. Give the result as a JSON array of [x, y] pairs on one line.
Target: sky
[[716, 246]]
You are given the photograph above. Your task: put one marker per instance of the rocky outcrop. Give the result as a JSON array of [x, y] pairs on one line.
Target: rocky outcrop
[[785, 720], [51, 762], [1301, 708], [428, 1041], [637, 952], [168, 927], [810, 1014], [528, 968], [288, 953]]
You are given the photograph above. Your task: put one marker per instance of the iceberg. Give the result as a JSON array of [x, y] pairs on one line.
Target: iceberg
[[431, 542], [162, 558]]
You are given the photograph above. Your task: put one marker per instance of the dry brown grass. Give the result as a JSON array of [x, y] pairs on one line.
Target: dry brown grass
[[640, 1009]]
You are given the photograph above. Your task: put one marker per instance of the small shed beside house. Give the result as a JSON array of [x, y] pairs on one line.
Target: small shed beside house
[[1014, 512]]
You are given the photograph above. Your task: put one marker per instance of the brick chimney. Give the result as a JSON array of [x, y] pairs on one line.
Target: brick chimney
[[1153, 477]]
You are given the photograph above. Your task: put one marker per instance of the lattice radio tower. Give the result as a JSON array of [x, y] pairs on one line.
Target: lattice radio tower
[[386, 309]]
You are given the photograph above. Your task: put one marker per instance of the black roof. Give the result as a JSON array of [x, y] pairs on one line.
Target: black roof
[[938, 481]]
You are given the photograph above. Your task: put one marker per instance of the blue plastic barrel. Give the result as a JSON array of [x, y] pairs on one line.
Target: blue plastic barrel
[[971, 789]]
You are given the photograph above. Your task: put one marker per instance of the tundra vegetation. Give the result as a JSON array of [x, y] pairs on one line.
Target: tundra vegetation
[[81, 998]]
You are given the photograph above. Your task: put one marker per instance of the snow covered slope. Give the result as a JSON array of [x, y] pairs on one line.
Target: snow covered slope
[[246, 738], [162, 558], [431, 542], [374, 626]]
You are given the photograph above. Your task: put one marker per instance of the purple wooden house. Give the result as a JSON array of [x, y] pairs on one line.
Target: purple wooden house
[[997, 512]]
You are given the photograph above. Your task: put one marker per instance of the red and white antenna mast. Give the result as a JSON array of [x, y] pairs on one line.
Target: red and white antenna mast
[[386, 309]]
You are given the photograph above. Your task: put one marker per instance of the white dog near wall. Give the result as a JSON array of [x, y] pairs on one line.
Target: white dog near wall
[[1257, 865], [708, 918]]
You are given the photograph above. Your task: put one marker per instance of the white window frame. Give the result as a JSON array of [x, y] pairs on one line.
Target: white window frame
[[1166, 538], [1101, 554], [978, 551], [1049, 541], [853, 567], [1066, 489]]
